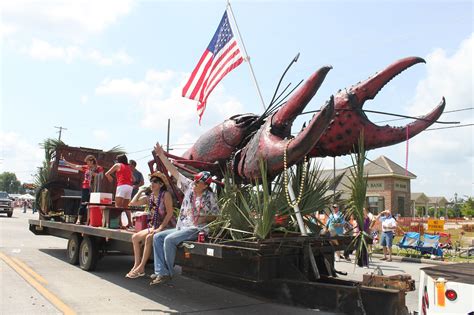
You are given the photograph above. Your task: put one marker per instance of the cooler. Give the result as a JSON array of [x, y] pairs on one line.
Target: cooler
[[99, 197], [141, 222], [95, 216]]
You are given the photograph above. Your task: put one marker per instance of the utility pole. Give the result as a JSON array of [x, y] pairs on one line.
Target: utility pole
[[168, 138], [60, 131]]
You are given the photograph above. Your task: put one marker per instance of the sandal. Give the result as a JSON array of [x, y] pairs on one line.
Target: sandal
[[160, 279], [385, 258], [134, 274]]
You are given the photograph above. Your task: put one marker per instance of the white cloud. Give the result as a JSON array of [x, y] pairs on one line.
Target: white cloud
[[67, 18], [19, 156], [101, 135], [42, 50], [84, 99], [158, 96], [445, 157]]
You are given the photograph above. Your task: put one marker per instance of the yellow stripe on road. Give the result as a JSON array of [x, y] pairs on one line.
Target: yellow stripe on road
[[29, 270], [60, 305]]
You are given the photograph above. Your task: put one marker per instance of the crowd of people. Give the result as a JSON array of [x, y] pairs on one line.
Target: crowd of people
[[337, 224]]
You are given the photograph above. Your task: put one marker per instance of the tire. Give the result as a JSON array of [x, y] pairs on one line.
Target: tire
[[88, 253], [73, 247], [9, 214]]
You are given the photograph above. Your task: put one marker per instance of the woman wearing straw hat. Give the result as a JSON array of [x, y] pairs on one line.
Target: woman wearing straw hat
[[161, 206]]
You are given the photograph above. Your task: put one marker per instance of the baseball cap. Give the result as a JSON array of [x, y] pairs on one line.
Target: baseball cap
[[203, 176], [335, 205]]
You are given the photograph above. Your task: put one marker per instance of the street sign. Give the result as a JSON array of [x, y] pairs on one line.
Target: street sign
[[435, 225]]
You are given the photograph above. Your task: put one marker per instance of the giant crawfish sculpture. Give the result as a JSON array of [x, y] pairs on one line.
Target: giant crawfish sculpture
[[244, 139]]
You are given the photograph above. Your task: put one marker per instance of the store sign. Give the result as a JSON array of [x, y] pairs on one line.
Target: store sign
[[435, 225], [400, 186], [376, 185]]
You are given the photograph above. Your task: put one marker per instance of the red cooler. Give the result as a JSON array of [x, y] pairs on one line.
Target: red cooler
[[95, 216], [141, 222]]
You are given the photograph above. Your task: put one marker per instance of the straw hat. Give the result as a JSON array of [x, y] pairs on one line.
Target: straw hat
[[161, 176]]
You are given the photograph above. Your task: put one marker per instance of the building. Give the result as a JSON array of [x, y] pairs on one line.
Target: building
[[388, 186], [425, 202]]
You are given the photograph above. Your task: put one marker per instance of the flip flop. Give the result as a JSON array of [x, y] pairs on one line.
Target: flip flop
[[160, 279], [134, 275]]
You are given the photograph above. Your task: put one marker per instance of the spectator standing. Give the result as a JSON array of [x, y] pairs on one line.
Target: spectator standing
[[335, 226], [389, 226], [138, 180], [199, 207]]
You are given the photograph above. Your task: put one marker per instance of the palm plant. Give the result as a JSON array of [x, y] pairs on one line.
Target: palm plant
[[42, 176], [358, 187]]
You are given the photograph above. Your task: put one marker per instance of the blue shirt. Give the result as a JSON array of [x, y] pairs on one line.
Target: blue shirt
[[336, 218]]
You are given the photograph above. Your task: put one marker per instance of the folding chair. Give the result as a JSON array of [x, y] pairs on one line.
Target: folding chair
[[445, 241], [429, 244], [410, 240]]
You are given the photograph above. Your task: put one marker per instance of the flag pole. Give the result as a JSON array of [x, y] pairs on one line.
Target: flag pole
[[245, 52]]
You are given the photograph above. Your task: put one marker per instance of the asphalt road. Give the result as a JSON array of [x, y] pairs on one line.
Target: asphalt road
[[36, 278]]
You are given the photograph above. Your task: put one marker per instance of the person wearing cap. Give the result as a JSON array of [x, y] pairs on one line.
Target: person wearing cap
[[199, 207], [160, 203], [335, 226], [389, 225]]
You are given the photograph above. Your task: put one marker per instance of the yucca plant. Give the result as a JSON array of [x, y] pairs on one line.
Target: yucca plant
[[358, 187], [314, 198]]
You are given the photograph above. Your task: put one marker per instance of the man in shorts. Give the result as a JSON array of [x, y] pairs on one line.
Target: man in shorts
[[389, 226]]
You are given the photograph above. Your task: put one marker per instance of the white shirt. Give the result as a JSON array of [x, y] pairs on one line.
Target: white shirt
[[388, 224]]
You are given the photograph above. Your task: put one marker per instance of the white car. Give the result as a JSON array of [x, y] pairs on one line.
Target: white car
[[447, 289]]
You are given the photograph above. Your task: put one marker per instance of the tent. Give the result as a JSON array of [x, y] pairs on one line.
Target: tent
[[27, 197]]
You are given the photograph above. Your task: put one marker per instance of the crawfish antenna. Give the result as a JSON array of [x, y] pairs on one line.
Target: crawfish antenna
[[279, 82]]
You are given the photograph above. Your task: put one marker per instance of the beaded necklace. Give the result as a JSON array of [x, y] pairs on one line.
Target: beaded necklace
[[193, 207], [157, 204]]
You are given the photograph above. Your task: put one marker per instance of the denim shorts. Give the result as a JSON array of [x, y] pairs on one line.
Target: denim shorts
[[387, 238]]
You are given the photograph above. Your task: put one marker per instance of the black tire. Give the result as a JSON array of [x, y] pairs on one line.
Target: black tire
[[88, 253], [73, 246], [9, 214]]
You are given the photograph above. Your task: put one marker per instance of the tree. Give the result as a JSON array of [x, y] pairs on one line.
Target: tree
[[9, 183], [467, 209]]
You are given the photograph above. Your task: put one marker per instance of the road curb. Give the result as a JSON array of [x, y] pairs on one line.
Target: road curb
[[415, 260]]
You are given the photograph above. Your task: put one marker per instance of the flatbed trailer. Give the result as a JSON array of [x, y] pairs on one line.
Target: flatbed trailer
[[291, 270]]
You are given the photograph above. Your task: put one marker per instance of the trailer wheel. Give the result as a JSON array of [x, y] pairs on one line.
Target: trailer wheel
[[73, 246], [88, 254]]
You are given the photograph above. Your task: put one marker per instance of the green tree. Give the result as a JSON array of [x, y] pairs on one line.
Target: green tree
[[9, 183], [467, 209]]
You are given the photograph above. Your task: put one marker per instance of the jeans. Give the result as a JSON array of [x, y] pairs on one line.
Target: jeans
[[164, 248], [86, 194]]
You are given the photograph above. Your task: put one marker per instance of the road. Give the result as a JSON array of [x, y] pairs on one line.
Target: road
[[35, 277]]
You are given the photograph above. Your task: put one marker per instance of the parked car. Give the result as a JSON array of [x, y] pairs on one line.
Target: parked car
[[6, 205]]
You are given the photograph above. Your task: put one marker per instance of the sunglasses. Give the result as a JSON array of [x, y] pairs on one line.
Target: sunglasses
[[156, 181]]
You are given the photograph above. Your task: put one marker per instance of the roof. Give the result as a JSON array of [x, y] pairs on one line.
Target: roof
[[461, 273], [419, 197], [437, 200], [383, 166]]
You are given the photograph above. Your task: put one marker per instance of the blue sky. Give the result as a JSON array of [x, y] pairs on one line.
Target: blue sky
[[111, 72]]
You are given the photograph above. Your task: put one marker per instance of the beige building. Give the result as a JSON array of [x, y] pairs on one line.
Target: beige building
[[425, 202], [388, 186]]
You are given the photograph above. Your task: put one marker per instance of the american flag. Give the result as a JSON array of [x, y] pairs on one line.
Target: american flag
[[221, 56]]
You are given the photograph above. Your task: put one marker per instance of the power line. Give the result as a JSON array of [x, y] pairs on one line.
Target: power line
[[446, 112], [466, 125]]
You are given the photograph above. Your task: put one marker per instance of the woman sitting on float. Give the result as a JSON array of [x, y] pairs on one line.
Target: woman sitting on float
[[160, 203]]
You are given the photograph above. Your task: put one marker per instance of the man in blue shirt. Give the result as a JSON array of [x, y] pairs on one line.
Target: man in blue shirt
[[335, 225], [138, 180]]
